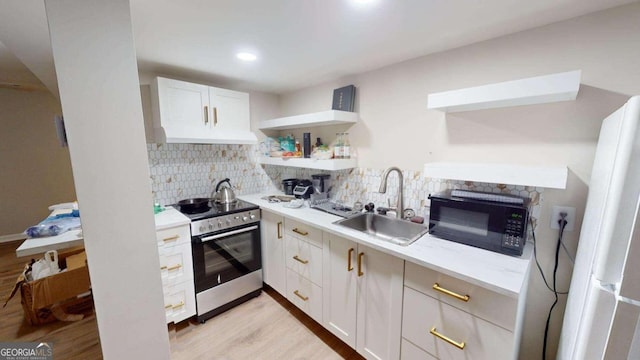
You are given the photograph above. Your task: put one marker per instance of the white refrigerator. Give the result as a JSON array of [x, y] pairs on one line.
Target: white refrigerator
[[602, 316]]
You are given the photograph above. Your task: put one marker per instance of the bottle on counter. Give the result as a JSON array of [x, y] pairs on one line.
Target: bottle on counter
[[346, 146], [337, 147]]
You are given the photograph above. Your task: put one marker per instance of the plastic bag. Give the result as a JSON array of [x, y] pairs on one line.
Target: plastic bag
[[53, 226]]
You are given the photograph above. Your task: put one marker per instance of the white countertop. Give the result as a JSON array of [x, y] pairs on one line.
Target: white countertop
[[37, 246], [503, 274]]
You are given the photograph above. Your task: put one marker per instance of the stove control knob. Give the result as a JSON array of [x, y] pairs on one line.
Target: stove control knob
[[228, 221], [219, 223], [244, 218], [251, 216], [237, 217], [202, 228], [210, 226]]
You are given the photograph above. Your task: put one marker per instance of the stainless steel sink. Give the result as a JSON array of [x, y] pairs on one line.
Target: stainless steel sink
[[396, 231]]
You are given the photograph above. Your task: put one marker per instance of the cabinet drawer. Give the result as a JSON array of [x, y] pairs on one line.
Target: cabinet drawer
[[493, 307], [179, 301], [176, 263], [302, 231], [305, 295], [409, 351], [482, 340], [304, 258], [173, 236]]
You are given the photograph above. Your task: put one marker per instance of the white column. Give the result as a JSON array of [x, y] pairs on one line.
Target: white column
[[95, 64]]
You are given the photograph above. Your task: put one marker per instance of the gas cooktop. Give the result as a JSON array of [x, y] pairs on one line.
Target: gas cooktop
[[220, 209]]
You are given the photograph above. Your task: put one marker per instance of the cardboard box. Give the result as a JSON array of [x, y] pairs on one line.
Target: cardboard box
[[57, 296]]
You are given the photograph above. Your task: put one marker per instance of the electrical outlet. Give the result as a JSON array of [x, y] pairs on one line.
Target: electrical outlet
[[571, 217]]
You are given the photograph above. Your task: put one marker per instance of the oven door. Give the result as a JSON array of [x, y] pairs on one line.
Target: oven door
[[225, 255]]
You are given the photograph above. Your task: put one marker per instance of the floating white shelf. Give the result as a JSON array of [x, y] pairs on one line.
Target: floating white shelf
[[330, 117], [535, 90], [540, 176], [331, 164]]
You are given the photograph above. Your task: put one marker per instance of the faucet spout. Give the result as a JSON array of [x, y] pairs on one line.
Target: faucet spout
[[383, 188]]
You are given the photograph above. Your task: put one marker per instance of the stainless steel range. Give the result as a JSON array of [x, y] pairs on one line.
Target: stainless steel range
[[226, 256]]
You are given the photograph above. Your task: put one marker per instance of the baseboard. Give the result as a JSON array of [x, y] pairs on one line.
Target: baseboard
[[12, 237]]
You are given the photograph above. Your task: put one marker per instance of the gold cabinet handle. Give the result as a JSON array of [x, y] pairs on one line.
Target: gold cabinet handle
[[295, 257], [459, 345], [163, 267], [215, 116], [349, 266], [171, 238], [182, 304], [279, 229], [301, 232], [464, 298], [174, 267], [168, 306], [360, 273], [304, 298], [206, 114]]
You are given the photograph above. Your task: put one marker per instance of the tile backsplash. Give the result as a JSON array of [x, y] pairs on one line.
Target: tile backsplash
[[181, 171]]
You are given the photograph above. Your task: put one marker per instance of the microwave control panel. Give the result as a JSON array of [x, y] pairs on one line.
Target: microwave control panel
[[514, 232]]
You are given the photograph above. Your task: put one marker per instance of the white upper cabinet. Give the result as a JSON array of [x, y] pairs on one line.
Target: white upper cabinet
[[185, 112], [535, 90]]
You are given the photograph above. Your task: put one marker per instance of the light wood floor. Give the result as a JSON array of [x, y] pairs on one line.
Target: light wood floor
[[266, 327]]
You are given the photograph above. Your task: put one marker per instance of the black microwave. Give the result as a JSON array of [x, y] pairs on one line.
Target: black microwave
[[495, 222]]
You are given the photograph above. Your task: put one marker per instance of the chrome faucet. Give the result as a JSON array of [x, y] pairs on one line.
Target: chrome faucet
[[383, 188]]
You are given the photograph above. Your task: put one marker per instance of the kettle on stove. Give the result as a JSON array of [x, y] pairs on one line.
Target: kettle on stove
[[224, 194]]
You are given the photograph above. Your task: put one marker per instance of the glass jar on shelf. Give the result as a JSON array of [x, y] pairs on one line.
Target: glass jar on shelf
[[346, 146], [337, 147]]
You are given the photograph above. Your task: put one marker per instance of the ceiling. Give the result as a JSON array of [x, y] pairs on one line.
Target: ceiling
[[300, 43]]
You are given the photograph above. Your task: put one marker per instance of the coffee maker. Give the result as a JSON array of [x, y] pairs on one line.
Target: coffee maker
[[321, 183]]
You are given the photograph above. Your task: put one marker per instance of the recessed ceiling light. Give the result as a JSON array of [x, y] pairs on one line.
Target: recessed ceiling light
[[245, 56]]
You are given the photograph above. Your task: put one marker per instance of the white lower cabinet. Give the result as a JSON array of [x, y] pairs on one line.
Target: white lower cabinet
[[362, 291], [411, 352], [304, 294], [176, 269], [272, 242], [448, 318]]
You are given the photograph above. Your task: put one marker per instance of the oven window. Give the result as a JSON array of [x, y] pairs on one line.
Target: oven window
[[232, 252], [471, 222]]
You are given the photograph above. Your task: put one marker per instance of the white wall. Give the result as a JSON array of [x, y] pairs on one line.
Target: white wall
[[36, 169], [95, 63], [397, 129]]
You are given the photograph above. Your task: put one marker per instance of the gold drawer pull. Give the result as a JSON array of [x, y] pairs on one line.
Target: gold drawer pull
[[168, 306], [304, 298], [174, 267], [360, 273], [206, 114], [163, 267], [171, 238], [300, 260], [279, 229], [349, 266], [464, 298], [459, 345], [215, 116], [182, 304], [301, 232]]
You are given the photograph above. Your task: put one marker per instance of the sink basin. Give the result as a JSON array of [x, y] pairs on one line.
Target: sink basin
[[393, 230]]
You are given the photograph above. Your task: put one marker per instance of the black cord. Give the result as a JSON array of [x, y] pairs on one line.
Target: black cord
[[535, 256], [562, 224]]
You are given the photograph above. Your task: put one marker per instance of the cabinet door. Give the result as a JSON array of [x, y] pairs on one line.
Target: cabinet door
[[273, 263], [229, 110], [379, 320], [183, 105], [339, 288]]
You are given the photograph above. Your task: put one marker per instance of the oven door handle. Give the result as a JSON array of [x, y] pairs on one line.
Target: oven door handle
[[229, 233]]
